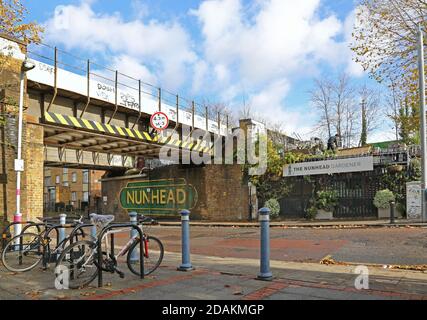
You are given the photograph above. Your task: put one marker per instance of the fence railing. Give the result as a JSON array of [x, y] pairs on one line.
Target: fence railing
[[59, 59]]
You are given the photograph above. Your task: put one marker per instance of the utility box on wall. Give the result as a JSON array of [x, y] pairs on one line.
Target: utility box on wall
[[413, 200]]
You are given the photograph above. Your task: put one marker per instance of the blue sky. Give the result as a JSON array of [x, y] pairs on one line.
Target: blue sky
[[265, 51]]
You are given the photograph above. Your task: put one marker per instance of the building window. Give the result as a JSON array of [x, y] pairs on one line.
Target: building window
[[86, 196], [58, 180], [47, 181], [73, 196], [65, 177], [74, 177], [86, 176]]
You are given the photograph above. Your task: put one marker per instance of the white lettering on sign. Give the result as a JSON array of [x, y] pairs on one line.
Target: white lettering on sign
[[329, 167]]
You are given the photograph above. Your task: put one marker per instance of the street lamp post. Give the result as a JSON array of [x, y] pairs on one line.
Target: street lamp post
[[423, 121], [19, 162]]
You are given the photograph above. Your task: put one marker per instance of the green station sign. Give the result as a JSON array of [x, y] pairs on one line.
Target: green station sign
[[158, 196]]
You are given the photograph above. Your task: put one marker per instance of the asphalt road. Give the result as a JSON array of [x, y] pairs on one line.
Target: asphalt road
[[398, 246]]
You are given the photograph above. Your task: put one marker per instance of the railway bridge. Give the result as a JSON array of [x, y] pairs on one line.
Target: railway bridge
[[80, 114]]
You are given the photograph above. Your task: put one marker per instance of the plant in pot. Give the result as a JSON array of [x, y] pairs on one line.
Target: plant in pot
[[382, 203], [274, 207], [396, 168], [325, 203]]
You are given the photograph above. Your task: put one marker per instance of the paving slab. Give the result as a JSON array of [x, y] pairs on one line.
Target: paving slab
[[224, 279]]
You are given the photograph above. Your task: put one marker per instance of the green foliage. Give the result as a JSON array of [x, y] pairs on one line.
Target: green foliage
[[274, 207], [272, 184], [383, 198], [364, 134], [311, 213], [415, 169], [396, 181], [326, 200]]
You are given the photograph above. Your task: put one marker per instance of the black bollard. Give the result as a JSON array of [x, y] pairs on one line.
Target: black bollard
[[392, 212]]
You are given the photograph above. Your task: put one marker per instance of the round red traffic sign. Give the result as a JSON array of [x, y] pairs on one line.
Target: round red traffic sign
[[159, 121]]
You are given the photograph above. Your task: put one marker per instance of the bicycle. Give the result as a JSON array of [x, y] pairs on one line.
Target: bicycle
[[6, 234], [25, 251], [82, 262]]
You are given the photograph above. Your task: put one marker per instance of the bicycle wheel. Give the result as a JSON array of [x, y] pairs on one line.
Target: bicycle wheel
[[153, 256], [23, 252], [76, 266]]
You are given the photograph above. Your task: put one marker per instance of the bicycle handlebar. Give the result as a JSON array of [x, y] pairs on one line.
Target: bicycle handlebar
[[144, 219]]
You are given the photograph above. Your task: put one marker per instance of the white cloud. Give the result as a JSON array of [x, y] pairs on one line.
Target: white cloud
[[266, 47], [150, 43], [283, 37], [256, 49], [268, 106]]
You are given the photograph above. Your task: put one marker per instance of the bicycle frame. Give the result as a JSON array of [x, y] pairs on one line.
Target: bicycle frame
[[122, 226]]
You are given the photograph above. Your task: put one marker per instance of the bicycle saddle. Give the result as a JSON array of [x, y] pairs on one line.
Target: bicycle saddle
[[101, 219]]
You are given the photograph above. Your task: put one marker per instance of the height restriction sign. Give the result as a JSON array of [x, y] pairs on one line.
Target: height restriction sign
[[159, 121]]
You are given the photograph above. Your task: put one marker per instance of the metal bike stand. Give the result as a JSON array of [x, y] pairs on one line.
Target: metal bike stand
[[119, 226], [7, 229], [80, 227], [46, 235]]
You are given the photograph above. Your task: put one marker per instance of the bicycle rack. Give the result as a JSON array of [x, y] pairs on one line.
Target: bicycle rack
[[46, 235], [80, 227], [119, 226], [29, 224]]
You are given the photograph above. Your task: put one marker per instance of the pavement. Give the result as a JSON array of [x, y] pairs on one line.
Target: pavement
[[217, 278], [307, 264]]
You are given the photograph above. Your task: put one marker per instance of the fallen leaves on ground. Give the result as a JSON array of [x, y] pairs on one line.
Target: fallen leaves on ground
[[33, 294], [329, 261]]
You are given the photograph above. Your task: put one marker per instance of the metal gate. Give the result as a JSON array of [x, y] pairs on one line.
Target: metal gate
[[356, 192]]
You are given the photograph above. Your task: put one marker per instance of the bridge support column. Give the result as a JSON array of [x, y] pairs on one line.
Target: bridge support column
[[32, 150]]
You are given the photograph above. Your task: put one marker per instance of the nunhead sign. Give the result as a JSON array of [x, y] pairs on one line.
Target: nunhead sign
[[329, 166], [158, 196]]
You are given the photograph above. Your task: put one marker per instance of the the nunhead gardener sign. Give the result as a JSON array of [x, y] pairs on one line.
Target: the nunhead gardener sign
[[159, 196], [329, 167]]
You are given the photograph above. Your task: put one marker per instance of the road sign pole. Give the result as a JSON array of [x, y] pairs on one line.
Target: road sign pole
[[423, 120]]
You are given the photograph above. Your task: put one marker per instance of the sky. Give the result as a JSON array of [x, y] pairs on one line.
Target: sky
[[265, 53]]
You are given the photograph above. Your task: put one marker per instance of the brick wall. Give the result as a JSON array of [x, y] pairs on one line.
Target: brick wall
[[223, 195], [32, 152]]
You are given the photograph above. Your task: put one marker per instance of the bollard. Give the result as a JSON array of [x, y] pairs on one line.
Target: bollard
[[185, 241], [62, 221], [93, 228], [264, 220], [133, 217], [392, 212]]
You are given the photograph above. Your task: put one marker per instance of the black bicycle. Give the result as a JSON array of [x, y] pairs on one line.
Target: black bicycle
[[25, 251], [81, 259]]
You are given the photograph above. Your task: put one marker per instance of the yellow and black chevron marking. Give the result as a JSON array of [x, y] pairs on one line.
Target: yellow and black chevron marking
[[70, 121]]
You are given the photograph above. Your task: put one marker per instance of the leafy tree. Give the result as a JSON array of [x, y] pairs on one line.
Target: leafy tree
[[364, 133], [385, 41], [13, 25], [271, 184], [385, 38], [12, 16]]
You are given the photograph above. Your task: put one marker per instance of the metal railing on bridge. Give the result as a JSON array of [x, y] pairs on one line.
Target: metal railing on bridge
[[106, 84]]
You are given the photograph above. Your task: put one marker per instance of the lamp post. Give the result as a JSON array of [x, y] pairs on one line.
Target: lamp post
[[19, 162], [423, 121]]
